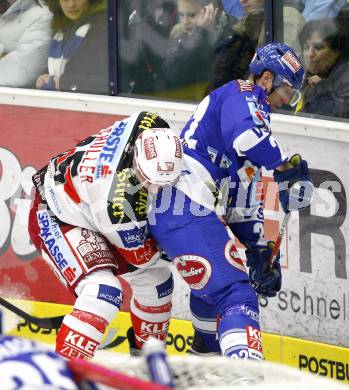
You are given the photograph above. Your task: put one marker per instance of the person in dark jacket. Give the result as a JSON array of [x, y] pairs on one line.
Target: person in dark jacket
[[192, 47], [342, 23], [78, 56], [326, 90], [143, 30], [233, 58]]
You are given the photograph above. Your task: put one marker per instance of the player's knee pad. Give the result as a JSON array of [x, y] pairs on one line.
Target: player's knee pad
[[150, 321], [239, 332], [99, 300], [151, 287], [150, 304], [99, 293]]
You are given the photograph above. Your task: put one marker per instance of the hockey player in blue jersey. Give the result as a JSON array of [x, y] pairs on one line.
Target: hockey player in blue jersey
[[226, 143], [27, 364]]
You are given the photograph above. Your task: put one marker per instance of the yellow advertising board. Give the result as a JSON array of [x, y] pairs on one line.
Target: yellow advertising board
[[322, 359]]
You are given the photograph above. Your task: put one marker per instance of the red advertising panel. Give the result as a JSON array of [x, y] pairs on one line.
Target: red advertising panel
[[28, 138]]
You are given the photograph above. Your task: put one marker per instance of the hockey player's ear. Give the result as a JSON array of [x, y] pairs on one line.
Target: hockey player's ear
[[266, 80]]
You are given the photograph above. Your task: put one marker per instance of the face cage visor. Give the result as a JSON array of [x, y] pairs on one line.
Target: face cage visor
[[286, 91]]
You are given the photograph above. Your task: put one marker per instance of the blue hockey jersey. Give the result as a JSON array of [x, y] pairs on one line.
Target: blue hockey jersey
[[226, 143], [27, 364]]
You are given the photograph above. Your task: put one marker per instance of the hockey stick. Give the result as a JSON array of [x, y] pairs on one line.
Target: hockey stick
[[279, 240], [41, 322]]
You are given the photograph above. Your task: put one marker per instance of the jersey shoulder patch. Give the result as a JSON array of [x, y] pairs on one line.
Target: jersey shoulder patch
[[244, 86]]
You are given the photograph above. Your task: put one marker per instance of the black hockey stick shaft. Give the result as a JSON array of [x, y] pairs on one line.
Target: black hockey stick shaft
[[42, 322]]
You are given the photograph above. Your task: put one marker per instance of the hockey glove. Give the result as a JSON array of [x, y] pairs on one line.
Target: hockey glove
[[295, 185], [265, 282]]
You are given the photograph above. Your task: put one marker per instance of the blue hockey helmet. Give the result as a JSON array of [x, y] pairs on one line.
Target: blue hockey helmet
[[282, 61]]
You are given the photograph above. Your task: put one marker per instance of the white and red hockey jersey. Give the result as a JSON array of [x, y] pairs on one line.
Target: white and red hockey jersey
[[93, 185]]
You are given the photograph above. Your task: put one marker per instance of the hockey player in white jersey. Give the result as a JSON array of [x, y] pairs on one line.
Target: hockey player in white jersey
[[89, 222]]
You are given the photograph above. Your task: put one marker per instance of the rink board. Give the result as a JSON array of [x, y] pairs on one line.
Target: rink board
[[322, 359], [314, 301]]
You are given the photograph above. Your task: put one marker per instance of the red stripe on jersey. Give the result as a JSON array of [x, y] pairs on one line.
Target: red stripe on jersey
[[153, 309], [69, 187]]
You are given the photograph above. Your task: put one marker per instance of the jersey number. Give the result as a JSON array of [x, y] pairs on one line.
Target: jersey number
[[39, 371], [196, 118]]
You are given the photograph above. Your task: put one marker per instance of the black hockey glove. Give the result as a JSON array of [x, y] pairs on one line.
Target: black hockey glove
[[295, 185], [265, 282]]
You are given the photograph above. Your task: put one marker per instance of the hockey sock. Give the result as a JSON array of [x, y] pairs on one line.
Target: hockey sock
[[204, 321], [80, 334], [149, 321], [239, 333]]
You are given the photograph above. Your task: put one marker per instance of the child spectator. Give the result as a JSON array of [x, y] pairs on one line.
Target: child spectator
[[24, 41], [78, 56], [326, 90]]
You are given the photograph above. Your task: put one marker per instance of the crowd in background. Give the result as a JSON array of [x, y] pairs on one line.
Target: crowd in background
[[57, 45], [173, 49]]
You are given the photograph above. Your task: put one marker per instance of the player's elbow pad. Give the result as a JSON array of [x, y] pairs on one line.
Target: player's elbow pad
[[259, 147]]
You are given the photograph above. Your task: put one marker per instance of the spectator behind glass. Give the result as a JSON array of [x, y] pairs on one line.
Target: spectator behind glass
[[233, 8], [321, 9], [193, 43], [326, 90], [234, 58], [24, 41], [342, 23], [143, 29], [293, 23], [78, 56], [252, 21], [233, 61]]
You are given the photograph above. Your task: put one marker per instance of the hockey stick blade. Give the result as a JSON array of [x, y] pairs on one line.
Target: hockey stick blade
[[279, 240], [41, 322]]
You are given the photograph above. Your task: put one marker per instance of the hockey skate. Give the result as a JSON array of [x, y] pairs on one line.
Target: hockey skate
[[134, 349], [199, 348]]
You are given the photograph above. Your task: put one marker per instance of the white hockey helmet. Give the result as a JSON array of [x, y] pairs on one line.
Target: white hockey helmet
[[158, 156]]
